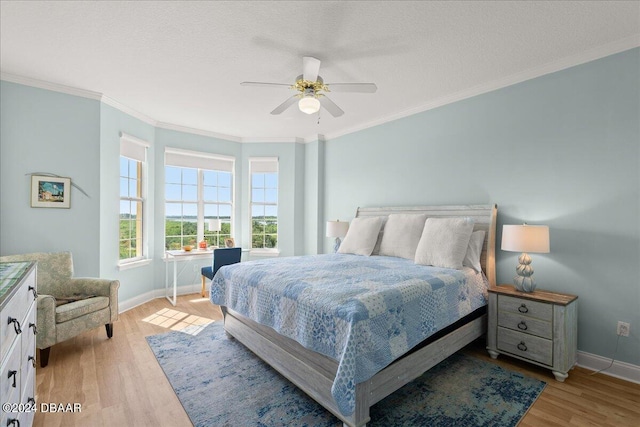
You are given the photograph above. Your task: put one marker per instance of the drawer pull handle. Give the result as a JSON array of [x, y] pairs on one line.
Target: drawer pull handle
[[35, 294], [31, 400], [522, 326], [523, 308], [13, 422], [16, 325], [13, 374], [32, 360], [522, 346], [35, 329]]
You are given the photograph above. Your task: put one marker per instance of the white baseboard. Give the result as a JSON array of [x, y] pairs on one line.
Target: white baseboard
[[622, 370], [156, 293]]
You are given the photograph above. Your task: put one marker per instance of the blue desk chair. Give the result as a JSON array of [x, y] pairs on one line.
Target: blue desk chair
[[224, 256]]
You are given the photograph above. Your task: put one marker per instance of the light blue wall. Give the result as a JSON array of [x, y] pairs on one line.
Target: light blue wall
[[139, 280], [561, 150], [44, 131]]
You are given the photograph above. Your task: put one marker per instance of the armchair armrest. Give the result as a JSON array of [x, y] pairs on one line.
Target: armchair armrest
[[99, 287], [46, 321]]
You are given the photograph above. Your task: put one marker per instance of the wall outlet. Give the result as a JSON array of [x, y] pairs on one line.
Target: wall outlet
[[623, 329]]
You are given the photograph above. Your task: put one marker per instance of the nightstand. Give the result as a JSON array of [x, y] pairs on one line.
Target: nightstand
[[539, 327]]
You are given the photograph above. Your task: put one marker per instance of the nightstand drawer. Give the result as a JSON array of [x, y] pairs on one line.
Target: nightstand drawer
[[527, 346], [525, 307], [522, 323]]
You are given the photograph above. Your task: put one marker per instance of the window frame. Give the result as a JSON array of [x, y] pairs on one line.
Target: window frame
[[135, 149], [200, 162], [267, 165]]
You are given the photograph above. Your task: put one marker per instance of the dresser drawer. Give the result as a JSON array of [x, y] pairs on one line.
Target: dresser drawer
[[10, 374], [524, 345], [528, 325], [12, 319], [524, 307]]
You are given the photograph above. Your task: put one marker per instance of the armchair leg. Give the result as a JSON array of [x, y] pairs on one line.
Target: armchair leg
[[109, 327], [44, 356], [203, 285]]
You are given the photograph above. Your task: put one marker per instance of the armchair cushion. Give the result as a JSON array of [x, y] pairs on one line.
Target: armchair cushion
[[80, 308]]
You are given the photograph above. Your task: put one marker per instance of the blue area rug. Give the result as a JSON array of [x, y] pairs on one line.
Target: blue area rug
[[221, 383]]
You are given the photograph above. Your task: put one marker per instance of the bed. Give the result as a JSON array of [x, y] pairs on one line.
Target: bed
[[336, 350]]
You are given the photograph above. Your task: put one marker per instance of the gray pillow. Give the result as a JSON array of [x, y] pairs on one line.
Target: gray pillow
[[444, 242], [401, 235], [361, 236]]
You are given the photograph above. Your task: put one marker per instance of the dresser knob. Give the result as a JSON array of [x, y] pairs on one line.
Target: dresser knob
[[522, 326], [16, 325], [35, 294], [523, 308], [35, 329], [13, 422], [32, 360], [522, 346]]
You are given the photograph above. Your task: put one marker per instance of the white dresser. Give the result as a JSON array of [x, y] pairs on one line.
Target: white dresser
[[539, 327], [18, 294]]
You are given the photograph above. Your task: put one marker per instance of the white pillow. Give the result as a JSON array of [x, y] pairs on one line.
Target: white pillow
[[444, 242], [361, 236], [376, 248], [401, 235], [472, 258]]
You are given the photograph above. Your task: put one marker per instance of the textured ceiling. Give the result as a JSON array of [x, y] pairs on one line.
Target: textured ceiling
[[180, 63]]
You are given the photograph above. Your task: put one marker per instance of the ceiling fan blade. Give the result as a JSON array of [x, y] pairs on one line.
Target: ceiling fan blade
[[263, 84], [286, 104], [352, 87], [330, 106], [310, 68]]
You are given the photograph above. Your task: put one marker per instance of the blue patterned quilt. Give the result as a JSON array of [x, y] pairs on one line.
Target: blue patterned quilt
[[364, 312]]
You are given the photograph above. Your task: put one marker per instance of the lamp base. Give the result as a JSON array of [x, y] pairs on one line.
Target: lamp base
[[524, 280], [337, 245]]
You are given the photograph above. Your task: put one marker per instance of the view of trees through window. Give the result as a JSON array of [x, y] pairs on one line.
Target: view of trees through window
[[130, 208], [191, 194], [264, 210]]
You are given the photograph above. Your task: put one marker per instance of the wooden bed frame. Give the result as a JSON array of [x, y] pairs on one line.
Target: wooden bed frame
[[314, 373]]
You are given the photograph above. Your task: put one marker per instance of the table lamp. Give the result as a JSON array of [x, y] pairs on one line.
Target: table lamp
[[214, 224], [525, 238], [337, 229]]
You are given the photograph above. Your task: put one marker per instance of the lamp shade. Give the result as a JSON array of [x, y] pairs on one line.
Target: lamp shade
[[309, 105], [214, 224], [525, 238], [337, 228]]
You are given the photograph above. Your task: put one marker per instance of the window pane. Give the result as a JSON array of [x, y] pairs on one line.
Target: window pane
[[125, 209], [133, 188], [257, 195], [271, 211], [210, 211], [257, 211], [124, 187], [124, 166], [257, 180], [210, 194], [210, 177], [271, 196], [271, 180], [172, 175], [224, 194], [190, 176], [173, 210], [190, 192], [225, 212], [190, 211], [224, 179], [172, 192]]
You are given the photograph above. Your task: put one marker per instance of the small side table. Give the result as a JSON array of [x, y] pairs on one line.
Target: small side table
[[174, 257], [539, 327]]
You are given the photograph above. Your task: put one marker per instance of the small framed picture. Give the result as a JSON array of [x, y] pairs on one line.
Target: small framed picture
[[50, 192], [229, 242]]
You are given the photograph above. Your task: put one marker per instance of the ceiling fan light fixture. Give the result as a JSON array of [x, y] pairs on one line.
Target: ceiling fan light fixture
[[309, 105]]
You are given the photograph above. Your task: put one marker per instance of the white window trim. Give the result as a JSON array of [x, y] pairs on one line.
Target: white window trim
[[262, 251], [131, 145], [193, 160]]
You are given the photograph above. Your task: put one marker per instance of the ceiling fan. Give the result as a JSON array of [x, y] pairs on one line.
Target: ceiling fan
[[311, 88]]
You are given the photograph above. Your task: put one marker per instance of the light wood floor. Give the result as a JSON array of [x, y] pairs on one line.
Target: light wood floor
[[119, 382]]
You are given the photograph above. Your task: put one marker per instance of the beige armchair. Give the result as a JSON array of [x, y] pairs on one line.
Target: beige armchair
[[68, 305]]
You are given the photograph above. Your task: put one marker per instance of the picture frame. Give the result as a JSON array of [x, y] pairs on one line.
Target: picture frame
[[50, 192], [229, 242]]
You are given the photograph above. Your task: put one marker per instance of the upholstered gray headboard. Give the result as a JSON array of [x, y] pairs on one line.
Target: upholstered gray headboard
[[483, 215]]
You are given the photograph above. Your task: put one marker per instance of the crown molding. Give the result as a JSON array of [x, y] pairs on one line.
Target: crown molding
[[532, 73], [551, 67], [186, 129], [55, 87]]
